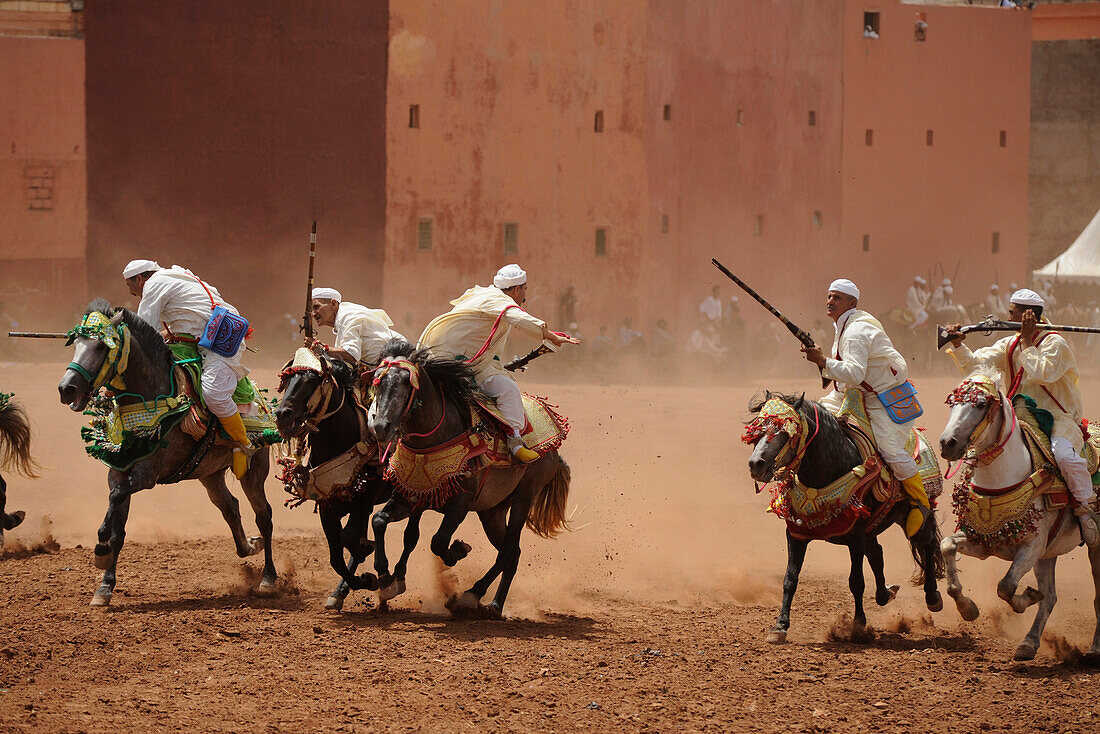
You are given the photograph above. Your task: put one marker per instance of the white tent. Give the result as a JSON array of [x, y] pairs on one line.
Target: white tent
[[1081, 262]]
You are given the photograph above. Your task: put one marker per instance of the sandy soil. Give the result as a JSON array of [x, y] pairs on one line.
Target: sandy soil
[[650, 617]]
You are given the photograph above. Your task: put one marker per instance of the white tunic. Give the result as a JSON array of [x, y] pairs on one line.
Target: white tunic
[[862, 352], [916, 300], [711, 307], [465, 329], [362, 331]]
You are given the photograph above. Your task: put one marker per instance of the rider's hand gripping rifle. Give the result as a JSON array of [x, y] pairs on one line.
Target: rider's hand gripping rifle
[[800, 334], [989, 325]]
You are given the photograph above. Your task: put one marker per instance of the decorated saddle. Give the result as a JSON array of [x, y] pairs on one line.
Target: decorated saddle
[[427, 478]]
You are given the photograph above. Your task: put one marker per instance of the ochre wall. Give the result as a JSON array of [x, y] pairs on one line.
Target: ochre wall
[[508, 93], [42, 177], [218, 130], [935, 206]]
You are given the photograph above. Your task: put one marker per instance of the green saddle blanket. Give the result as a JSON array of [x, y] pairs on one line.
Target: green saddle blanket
[[188, 358]]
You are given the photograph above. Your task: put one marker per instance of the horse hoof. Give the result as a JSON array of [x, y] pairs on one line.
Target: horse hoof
[[462, 606], [887, 595], [968, 610], [266, 587], [776, 637], [394, 588], [13, 520], [101, 599], [102, 562], [458, 551], [934, 601], [1034, 596], [334, 603], [255, 545], [1026, 651]]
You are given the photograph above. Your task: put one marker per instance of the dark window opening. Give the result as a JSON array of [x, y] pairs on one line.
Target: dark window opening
[[664, 224], [869, 137], [599, 121], [668, 112], [511, 238], [1004, 138], [423, 234], [758, 228], [870, 24], [996, 242], [813, 118], [740, 118], [601, 241], [928, 135], [817, 218], [414, 115], [866, 243], [920, 28]]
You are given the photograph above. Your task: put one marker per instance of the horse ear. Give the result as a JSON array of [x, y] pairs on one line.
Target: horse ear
[[801, 400], [767, 394], [117, 318]]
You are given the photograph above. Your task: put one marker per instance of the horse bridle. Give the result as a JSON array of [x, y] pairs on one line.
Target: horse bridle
[[317, 408], [972, 391], [776, 415]]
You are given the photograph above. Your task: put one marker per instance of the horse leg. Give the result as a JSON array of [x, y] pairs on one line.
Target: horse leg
[[883, 594], [928, 552], [112, 534], [1044, 575], [508, 555], [223, 499], [395, 509], [454, 512], [796, 554], [950, 547], [856, 583], [1027, 555], [409, 540], [1094, 561], [7, 522], [495, 523], [253, 485], [354, 540], [330, 514]]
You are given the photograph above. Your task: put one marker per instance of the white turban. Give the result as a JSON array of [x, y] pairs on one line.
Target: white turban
[[845, 286], [510, 276], [920, 280], [1013, 286], [946, 281], [137, 267], [994, 287], [328, 294], [1027, 297]]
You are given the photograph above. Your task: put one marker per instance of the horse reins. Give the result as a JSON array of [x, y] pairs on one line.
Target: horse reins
[[414, 382]]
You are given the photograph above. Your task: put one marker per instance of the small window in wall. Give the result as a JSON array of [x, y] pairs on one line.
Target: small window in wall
[[1004, 138], [601, 241], [920, 28], [866, 243], [414, 115], [511, 238], [870, 24], [996, 242], [869, 137], [599, 121], [664, 224], [423, 234], [38, 183], [668, 112], [813, 118], [740, 118], [758, 227], [928, 136], [817, 218]]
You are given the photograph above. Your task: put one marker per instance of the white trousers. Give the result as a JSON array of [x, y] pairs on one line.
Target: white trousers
[[920, 318], [219, 381], [890, 437], [506, 392], [1075, 470]]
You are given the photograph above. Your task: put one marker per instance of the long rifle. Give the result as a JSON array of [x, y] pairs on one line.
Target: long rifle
[[38, 334], [801, 334], [988, 326], [307, 318]]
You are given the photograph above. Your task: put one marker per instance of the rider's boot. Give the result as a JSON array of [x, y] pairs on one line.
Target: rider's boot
[[921, 507], [234, 426], [521, 452], [1089, 532]]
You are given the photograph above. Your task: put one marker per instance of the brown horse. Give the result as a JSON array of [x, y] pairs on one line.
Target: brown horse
[[15, 453], [426, 402]]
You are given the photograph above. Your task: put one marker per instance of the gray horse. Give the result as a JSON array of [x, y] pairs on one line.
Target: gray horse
[[147, 374]]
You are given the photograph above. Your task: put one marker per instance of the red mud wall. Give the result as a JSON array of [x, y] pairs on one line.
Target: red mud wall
[[42, 169], [218, 130], [920, 205]]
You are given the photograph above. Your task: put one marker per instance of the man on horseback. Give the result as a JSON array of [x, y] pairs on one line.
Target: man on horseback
[[864, 358], [476, 331], [361, 332], [1039, 363], [183, 303], [916, 302]]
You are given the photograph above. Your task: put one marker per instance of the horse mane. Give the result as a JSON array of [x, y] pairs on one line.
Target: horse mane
[[152, 343], [454, 377], [398, 346], [986, 370], [346, 374]]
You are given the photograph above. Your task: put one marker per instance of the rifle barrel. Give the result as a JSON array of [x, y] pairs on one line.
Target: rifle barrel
[[38, 334], [307, 317]]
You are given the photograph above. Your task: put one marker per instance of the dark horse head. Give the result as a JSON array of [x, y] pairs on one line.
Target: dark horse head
[[103, 342], [399, 389], [312, 386]]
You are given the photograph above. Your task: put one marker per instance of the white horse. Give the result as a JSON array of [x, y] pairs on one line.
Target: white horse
[[982, 420]]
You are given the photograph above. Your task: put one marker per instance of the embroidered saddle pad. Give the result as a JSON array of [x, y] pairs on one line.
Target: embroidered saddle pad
[[258, 418]]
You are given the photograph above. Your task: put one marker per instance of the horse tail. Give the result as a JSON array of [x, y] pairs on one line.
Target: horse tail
[[546, 517], [15, 440], [938, 568]]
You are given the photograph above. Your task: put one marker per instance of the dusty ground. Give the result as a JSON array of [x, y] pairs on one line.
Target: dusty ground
[[650, 617]]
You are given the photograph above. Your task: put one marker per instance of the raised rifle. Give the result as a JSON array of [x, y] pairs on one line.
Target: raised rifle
[[519, 364], [38, 334], [307, 318], [801, 334], [989, 325]]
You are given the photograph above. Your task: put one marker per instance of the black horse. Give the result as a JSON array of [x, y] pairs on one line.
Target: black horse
[[147, 373], [319, 405], [431, 412], [15, 453], [830, 454]]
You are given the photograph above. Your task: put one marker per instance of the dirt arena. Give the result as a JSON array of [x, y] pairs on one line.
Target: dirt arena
[[650, 617]]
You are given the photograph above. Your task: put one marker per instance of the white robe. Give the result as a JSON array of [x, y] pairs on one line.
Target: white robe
[[362, 332]]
